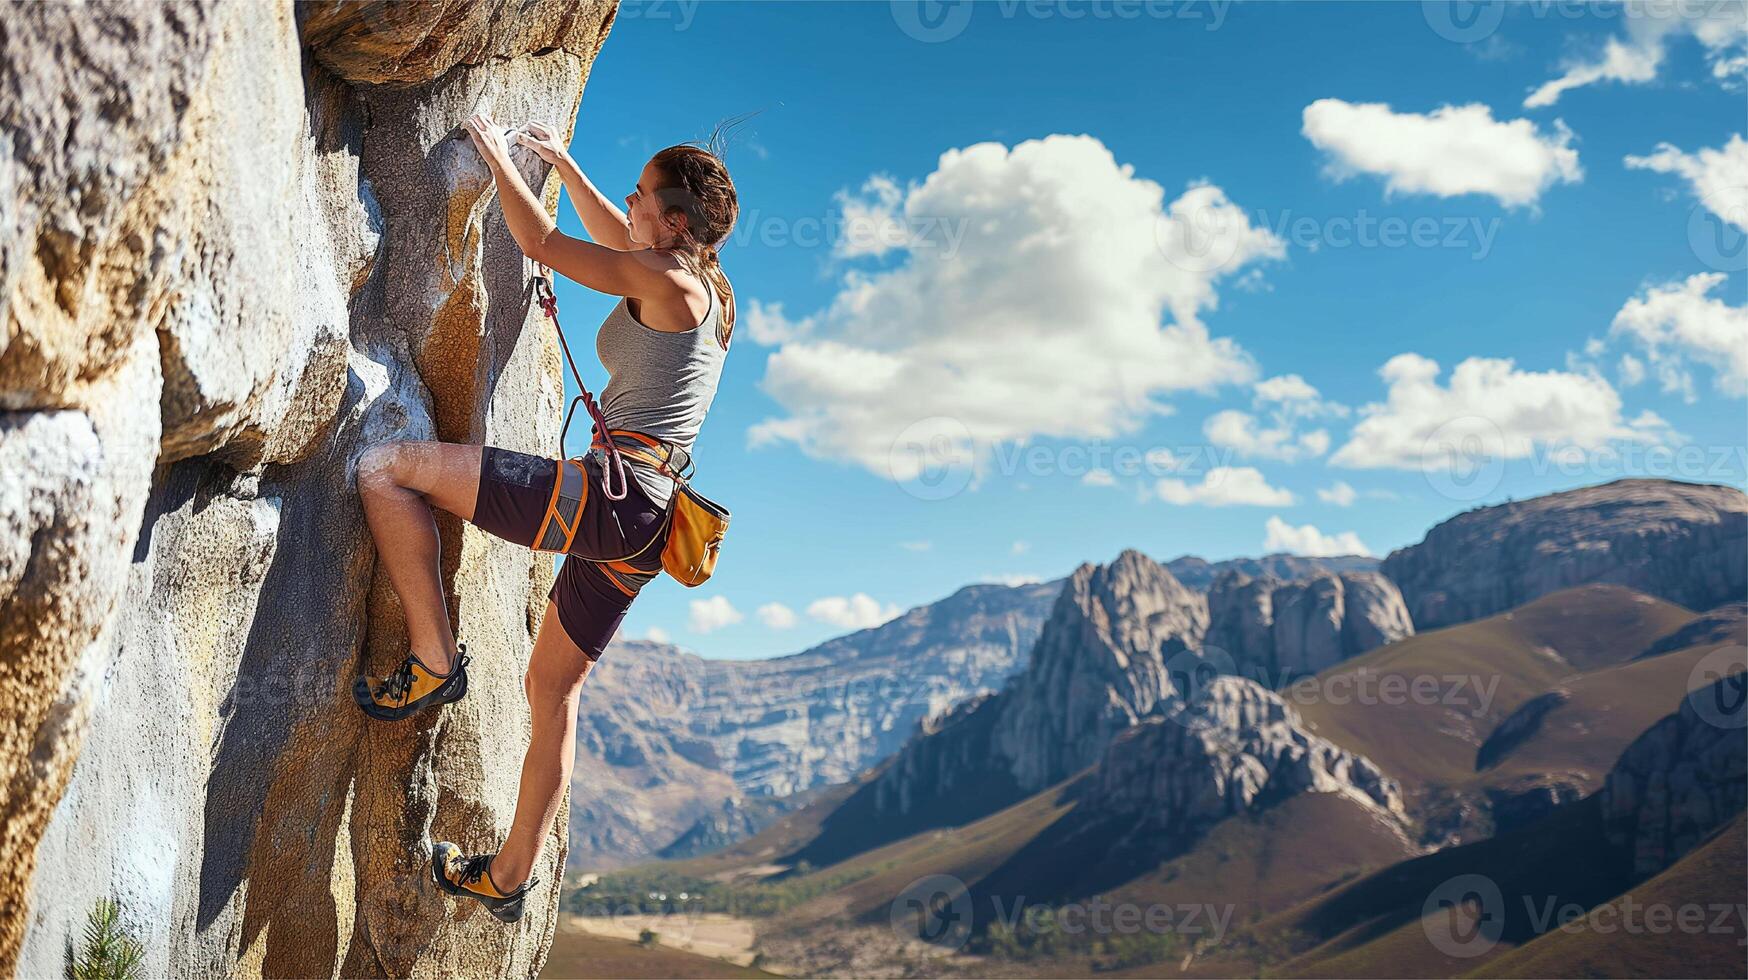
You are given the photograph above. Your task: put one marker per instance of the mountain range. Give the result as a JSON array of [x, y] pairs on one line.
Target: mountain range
[[676, 752], [1593, 723]]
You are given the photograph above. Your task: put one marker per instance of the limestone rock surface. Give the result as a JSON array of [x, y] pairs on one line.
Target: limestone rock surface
[[1275, 631], [1104, 660], [242, 243], [1682, 779], [1684, 542], [666, 740], [1236, 747]]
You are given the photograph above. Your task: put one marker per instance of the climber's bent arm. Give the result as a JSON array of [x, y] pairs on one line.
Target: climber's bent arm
[[601, 218], [598, 267], [640, 274]]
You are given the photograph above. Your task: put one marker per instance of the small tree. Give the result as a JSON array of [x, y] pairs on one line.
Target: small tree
[[108, 952], [647, 937]]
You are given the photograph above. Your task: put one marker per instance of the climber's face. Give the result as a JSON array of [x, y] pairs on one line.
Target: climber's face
[[643, 209]]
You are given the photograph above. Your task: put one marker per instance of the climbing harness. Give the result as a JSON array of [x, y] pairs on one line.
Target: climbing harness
[[694, 525], [616, 465]]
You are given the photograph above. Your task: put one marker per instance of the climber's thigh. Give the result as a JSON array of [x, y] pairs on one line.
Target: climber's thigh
[[446, 474], [557, 666], [514, 490], [592, 599]]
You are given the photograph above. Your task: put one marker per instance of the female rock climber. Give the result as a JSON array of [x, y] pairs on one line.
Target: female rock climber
[[663, 347]]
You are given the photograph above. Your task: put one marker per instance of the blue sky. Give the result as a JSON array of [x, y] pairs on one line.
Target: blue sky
[[1201, 236]]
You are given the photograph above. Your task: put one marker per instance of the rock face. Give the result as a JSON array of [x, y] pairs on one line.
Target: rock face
[[1201, 574], [1099, 667], [1275, 631], [665, 738], [1684, 542], [1682, 779], [242, 244], [1236, 747], [736, 820]]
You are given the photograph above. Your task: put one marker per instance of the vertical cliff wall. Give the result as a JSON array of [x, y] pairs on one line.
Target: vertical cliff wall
[[242, 243]]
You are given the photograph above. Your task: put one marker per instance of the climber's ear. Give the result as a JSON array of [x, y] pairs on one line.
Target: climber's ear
[[674, 219]]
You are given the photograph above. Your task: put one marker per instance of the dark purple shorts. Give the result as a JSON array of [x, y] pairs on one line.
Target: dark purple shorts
[[591, 595]]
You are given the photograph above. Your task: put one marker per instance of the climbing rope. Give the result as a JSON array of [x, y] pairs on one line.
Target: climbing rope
[[615, 462]]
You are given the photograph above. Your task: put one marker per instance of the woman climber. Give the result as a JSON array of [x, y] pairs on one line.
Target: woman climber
[[663, 347]]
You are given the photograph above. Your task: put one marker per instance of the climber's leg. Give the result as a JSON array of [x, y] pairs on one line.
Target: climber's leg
[[399, 482], [553, 683]]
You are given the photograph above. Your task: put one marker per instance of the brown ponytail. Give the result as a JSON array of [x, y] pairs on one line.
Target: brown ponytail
[[696, 185]]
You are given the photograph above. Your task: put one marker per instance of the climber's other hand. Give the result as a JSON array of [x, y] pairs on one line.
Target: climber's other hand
[[488, 138], [543, 140]]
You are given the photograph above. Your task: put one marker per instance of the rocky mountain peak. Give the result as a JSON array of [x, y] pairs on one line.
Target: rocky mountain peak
[[1273, 631], [1684, 542], [1235, 747]]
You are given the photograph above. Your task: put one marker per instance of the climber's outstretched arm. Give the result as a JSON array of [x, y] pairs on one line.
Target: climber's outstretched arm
[[601, 218], [598, 267]]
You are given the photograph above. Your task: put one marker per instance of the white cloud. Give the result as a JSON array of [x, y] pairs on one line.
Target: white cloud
[[1021, 547], [655, 634], [872, 222], [1680, 321], [776, 615], [1721, 26], [1490, 408], [1225, 486], [768, 326], [856, 612], [1452, 150], [1098, 476], [1307, 540], [713, 614], [1240, 431], [1069, 300], [1288, 400], [1632, 370], [1011, 579], [1718, 178], [1341, 494], [916, 545]]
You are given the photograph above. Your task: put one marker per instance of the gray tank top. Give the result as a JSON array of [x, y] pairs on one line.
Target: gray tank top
[[659, 383]]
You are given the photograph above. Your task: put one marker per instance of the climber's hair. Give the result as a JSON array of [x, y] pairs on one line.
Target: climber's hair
[[696, 185]]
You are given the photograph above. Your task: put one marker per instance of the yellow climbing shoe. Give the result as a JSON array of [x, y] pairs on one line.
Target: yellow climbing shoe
[[470, 875], [412, 686]]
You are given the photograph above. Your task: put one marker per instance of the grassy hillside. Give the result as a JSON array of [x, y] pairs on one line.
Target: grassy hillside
[[1374, 926], [1039, 852], [1453, 687], [1382, 925], [579, 956], [1515, 656], [1712, 878]]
